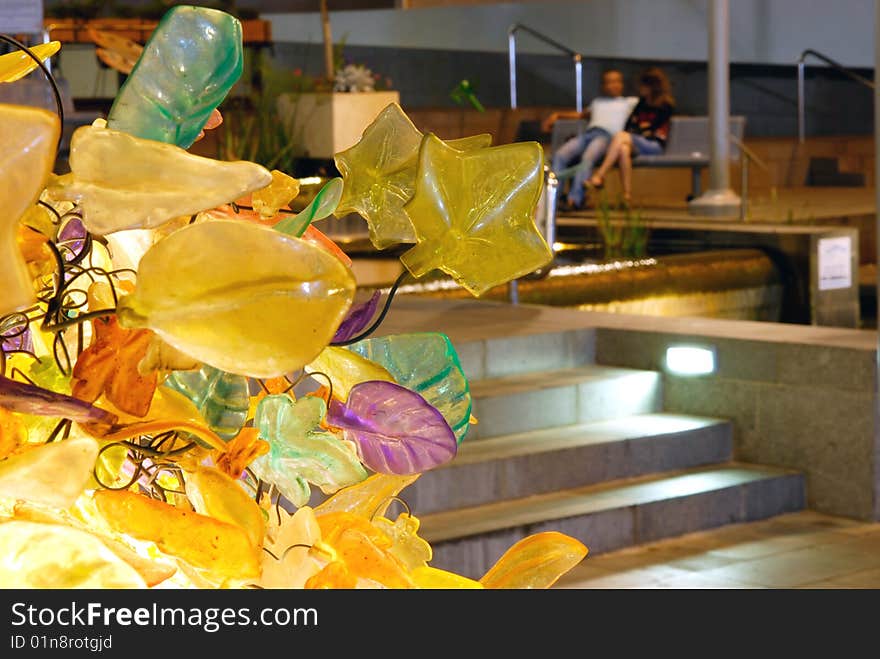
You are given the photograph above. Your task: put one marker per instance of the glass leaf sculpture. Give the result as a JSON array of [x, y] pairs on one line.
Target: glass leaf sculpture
[[278, 194], [37, 555], [535, 562], [125, 182], [16, 65], [428, 364], [53, 474], [395, 429], [321, 206], [215, 494], [221, 398], [380, 174], [29, 137], [191, 61], [473, 213], [109, 366], [357, 319], [200, 540], [240, 297], [344, 369], [30, 399], [367, 498], [300, 452]]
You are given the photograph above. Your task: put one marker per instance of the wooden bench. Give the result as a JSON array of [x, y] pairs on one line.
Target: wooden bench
[[687, 146]]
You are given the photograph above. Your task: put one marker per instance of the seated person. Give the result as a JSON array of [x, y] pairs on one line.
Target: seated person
[[608, 114], [645, 133]]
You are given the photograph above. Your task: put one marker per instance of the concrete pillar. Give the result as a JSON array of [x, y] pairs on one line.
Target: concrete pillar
[[719, 199]]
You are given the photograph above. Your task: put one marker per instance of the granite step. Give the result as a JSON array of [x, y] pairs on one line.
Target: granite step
[[613, 515], [522, 402], [538, 461]]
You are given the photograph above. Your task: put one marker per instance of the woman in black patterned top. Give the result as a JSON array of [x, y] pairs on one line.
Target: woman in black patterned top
[[645, 133]]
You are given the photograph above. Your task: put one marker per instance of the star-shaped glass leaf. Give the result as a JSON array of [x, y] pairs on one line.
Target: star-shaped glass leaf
[[380, 171], [473, 213]]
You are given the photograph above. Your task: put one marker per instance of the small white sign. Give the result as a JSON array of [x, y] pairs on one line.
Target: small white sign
[[835, 263], [21, 16]]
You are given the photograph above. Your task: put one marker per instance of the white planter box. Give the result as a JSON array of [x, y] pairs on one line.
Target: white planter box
[[323, 124]]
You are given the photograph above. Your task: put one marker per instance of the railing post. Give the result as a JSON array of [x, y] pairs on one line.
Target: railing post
[[800, 100], [744, 185], [578, 82], [511, 54]]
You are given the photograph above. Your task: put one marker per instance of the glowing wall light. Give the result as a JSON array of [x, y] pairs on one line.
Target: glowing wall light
[[690, 360]]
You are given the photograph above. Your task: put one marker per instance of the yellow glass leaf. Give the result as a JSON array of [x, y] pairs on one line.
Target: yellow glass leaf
[[406, 545], [380, 172], [368, 498], [153, 572], [12, 432], [125, 182], [29, 137], [17, 65], [275, 196], [215, 494], [346, 369], [535, 562], [333, 525], [39, 555], [473, 213], [162, 357], [202, 541], [432, 577], [240, 297], [37, 218], [53, 474]]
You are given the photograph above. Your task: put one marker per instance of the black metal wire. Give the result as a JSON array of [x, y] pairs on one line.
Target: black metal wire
[[372, 328]]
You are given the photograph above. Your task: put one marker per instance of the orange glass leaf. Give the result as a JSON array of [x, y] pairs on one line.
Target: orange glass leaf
[[240, 452], [535, 562], [334, 575], [202, 541], [109, 365], [319, 239], [215, 494], [366, 560]]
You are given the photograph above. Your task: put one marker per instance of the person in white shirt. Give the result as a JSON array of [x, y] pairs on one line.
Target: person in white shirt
[[608, 114]]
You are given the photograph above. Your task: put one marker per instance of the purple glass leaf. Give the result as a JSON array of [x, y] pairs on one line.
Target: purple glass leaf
[[30, 399], [396, 431], [72, 237], [357, 319]]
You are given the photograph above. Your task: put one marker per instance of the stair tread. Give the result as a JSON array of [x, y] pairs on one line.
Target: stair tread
[[463, 522], [529, 381], [581, 434]]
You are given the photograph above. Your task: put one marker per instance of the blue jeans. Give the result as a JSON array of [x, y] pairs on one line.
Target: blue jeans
[[586, 148], [645, 146]]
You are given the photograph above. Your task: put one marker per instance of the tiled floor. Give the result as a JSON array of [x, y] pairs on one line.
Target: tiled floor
[[799, 550]]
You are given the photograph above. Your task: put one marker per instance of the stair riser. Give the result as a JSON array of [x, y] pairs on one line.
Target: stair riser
[[520, 476], [591, 401], [623, 527], [508, 355]]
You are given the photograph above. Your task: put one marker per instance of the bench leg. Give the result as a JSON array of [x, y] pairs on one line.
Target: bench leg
[[696, 183]]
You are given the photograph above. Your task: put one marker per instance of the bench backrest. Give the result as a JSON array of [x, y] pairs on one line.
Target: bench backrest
[[690, 136]]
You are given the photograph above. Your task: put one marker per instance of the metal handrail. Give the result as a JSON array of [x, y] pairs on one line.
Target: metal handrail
[[800, 90], [575, 56]]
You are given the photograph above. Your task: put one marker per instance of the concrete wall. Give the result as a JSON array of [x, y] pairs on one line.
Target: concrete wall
[[803, 404], [762, 31]]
